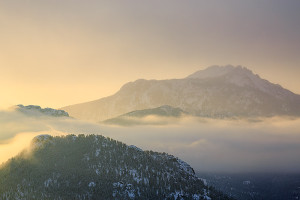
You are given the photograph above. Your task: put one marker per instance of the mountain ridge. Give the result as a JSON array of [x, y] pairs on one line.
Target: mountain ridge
[[216, 92], [140, 117], [95, 167], [35, 109]]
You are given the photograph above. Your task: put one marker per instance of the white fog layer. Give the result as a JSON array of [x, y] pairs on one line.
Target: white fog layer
[[269, 145]]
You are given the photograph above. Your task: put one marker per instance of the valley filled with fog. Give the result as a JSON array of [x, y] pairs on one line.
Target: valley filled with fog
[[209, 145]]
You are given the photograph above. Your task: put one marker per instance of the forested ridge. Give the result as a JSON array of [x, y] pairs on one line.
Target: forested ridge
[[96, 167]]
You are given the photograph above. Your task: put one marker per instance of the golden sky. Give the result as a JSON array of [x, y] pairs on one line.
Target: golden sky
[[55, 53]]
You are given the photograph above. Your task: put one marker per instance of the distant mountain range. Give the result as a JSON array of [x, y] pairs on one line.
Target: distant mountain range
[[216, 92], [95, 167]]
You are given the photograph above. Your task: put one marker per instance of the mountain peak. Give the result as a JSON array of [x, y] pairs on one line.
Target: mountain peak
[[237, 75], [216, 92], [217, 71]]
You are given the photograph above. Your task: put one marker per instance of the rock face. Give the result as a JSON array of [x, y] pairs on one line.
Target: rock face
[[95, 167], [216, 92], [45, 111]]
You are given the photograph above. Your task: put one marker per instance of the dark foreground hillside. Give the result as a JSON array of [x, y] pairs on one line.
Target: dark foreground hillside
[[95, 167]]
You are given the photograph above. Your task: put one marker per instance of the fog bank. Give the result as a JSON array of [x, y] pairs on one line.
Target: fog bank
[[266, 145]]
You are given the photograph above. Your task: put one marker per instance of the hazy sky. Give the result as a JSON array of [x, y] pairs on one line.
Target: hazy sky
[[56, 53]]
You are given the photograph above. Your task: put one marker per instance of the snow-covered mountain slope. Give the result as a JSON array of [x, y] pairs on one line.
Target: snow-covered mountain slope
[[215, 92], [37, 110], [95, 167]]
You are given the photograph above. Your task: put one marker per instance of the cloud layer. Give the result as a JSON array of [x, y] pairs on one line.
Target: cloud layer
[[266, 145]]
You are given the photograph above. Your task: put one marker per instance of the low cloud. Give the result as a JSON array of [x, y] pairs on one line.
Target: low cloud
[[260, 145]]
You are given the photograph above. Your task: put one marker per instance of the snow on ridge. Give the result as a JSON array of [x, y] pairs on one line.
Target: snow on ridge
[[186, 167], [238, 75], [45, 111], [242, 76], [135, 147], [212, 71], [204, 181]]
